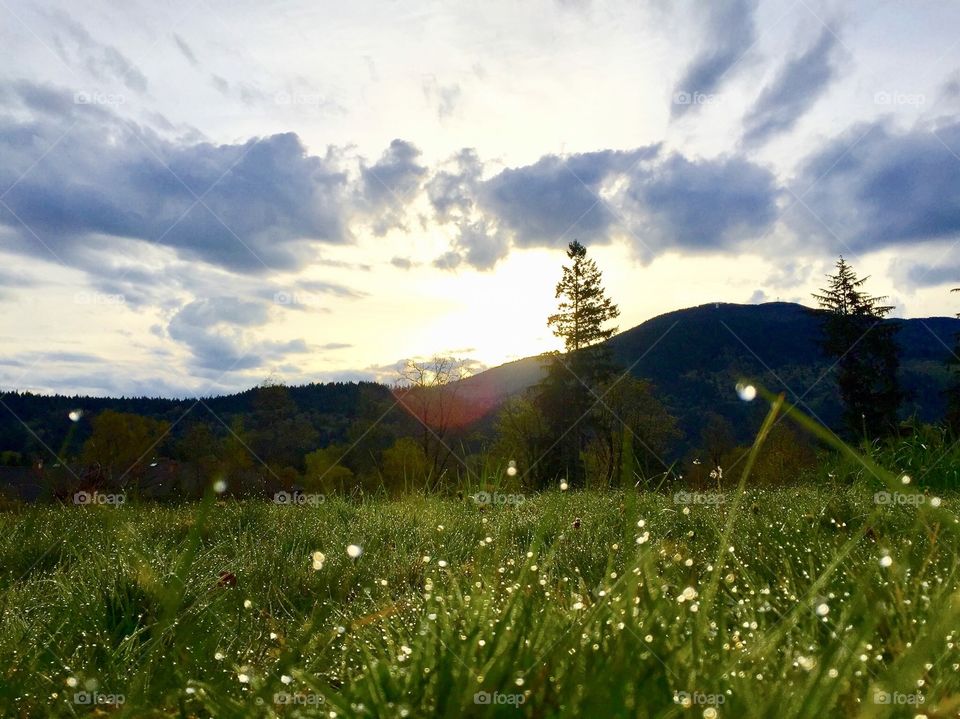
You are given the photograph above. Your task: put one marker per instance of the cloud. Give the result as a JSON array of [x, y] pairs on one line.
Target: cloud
[[656, 202], [927, 274], [446, 97], [185, 49], [250, 207], [76, 46], [453, 188], [876, 187], [729, 34], [448, 260], [797, 86], [215, 331], [550, 202], [404, 263], [700, 205], [390, 184]]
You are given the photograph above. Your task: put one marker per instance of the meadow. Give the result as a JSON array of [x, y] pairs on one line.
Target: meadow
[[812, 601]]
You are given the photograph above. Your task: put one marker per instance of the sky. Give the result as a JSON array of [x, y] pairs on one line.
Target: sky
[[198, 196]]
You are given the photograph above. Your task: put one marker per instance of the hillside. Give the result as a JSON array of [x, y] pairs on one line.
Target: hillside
[[695, 356]]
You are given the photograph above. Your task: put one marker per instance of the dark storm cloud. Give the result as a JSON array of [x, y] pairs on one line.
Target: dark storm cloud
[[700, 205], [548, 203], [728, 35], [875, 187], [658, 203], [797, 86], [248, 207]]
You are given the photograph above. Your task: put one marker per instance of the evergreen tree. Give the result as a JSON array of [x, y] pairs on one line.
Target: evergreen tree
[[866, 352], [584, 307], [567, 393]]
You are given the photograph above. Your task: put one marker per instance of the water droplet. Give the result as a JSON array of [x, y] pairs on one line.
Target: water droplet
[[746, 392], [354, 551]]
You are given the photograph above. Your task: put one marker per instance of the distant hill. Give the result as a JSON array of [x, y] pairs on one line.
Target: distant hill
[[695, 356]]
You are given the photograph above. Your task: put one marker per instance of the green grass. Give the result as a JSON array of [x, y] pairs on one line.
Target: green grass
[[569, 621]]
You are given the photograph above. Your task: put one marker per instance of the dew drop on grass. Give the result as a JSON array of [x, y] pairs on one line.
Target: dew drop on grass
[[564, 486], [823, 610], [354, 551], [220, 486], [905, 479], [886, 560], [746, 392]]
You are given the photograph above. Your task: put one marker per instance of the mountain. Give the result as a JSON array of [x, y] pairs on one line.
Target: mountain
[[694, 357]]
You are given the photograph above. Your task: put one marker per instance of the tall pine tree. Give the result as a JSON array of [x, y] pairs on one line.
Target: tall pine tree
[[865, 350], [584, 307], [567, 393]]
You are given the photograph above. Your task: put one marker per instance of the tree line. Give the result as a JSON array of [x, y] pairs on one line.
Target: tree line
[[588, 421]]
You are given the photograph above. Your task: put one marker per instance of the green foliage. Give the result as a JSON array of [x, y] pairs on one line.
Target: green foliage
[[570, 621], [865, 351], [325, 473], [121, 444], [405, 465]]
